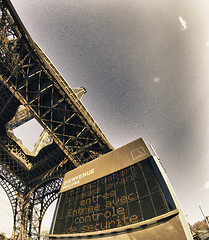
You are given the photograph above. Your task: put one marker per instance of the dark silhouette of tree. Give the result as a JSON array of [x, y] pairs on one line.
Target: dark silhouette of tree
[[3, 236], [201, 225], [44, 235]]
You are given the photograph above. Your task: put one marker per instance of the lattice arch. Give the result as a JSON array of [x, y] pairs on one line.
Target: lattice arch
[[11, 192], [35, 207]]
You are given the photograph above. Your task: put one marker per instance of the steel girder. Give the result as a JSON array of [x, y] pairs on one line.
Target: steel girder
[[28, 211], [28, 78]]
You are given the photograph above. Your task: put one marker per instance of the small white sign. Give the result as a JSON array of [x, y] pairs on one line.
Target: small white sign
[[138, 153]]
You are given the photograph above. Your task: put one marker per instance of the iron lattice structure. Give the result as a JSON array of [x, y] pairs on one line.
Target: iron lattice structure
[[31, 87]]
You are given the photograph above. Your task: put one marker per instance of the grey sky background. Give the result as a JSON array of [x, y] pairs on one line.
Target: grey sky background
[[145, 67]]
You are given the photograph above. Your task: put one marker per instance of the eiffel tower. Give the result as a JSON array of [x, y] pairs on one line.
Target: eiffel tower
[[31, 87]]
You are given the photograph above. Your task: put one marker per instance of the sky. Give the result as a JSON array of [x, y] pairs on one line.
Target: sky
[[145, 67]]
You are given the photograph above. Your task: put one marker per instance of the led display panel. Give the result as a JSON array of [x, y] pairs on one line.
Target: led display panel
[[125, 197]]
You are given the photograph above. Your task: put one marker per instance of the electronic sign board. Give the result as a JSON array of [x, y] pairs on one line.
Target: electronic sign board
[[120, 189]]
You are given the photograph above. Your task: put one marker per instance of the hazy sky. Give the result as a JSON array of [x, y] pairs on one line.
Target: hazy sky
[[145, 67]]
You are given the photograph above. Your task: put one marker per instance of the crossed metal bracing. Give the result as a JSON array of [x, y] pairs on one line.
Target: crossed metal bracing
[[31, 87], [33, 209]]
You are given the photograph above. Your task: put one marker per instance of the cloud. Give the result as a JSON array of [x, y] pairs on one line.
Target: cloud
[[205, 187], [183, 23], [156, 79]]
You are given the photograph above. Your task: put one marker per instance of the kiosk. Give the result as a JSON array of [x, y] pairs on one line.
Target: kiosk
[[124, 194]]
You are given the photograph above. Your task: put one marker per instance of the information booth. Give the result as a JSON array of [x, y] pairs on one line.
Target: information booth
[[124, 194]]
